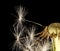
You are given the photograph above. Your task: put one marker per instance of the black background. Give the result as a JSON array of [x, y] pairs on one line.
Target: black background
[[43, 12], [39, 11]]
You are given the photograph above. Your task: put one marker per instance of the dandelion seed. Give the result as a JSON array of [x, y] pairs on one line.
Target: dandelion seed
[[31, 33], [17, 44], [21, 13]]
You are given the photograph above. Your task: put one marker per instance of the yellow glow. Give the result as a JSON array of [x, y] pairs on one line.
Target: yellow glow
[[54, 29], [57, 44]]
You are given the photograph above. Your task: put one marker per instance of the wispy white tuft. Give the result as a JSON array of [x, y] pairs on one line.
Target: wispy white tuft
[[46, 46], [31, 33], [21, 13], [29, 41], [17, 34]]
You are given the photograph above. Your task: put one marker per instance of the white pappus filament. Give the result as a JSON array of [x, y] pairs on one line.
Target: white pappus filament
[[29, 41]]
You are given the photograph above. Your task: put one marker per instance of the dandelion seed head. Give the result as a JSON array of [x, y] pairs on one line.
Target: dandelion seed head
[[29, 42]]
